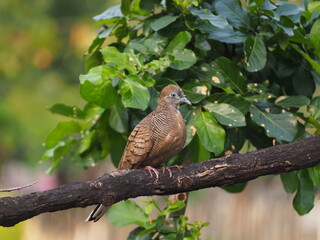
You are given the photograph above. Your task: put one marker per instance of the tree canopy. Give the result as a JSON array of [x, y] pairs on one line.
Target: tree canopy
[[250, 70]]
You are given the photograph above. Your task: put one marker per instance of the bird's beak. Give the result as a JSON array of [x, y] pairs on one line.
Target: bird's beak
[[185, 100]]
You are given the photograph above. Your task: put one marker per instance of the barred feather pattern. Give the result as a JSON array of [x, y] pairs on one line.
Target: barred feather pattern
[[157, 138]]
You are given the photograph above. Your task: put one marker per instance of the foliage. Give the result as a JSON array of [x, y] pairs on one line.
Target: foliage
[[41, 57], [250, 73], [128, 212]]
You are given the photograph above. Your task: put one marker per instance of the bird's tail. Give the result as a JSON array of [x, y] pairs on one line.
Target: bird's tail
[[97, 213]]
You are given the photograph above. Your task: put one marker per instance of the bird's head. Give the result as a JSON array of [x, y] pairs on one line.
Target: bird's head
[[173, 95]]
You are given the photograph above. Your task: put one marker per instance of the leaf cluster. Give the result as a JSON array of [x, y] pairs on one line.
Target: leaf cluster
[[160, 227], [250, 72]]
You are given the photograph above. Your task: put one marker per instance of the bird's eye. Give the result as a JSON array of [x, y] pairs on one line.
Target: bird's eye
[[173, 94]]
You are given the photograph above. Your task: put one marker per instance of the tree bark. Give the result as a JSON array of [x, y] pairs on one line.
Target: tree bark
[[121, 185]]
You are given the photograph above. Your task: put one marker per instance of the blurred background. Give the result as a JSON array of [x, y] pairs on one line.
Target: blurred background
[[42, 44]]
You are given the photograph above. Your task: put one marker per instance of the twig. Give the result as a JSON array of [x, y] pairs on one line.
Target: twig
[[18, 188]]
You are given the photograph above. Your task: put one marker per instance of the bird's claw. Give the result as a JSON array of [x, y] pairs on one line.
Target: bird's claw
[[178, 167], [151, 169], [156, 172], [168, 169]]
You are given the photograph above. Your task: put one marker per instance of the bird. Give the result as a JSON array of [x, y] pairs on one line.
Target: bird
[[157, 138]]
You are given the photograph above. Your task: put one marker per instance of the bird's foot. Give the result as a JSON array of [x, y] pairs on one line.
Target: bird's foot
[[168, 169], [178, 167], [151, 169]]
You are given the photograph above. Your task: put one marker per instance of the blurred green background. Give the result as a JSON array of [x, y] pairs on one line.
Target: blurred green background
[[42, 44], [42, 47]]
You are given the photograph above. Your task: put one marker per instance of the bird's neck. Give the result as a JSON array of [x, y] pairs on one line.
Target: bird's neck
[[164, 106]]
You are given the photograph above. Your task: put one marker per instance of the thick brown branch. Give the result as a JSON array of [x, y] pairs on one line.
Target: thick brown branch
[[117, 186]]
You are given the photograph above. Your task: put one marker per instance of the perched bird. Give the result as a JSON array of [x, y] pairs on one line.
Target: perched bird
[[158, 137]]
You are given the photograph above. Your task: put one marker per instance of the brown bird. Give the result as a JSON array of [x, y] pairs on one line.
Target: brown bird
[[158, 137]]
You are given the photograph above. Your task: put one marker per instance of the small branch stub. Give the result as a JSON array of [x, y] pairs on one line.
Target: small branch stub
[[18, 188]]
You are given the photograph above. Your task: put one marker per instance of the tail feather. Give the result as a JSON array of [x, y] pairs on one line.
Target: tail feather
[[97, 213]]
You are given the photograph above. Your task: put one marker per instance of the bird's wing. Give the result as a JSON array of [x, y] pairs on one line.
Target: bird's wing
[[138, 146]]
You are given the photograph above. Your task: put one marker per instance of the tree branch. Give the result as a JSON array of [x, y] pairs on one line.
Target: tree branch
[[121, 185], [18, 188]]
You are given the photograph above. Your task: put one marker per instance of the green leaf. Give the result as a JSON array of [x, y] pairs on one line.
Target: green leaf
[[290, 181], [227, 35], [313, 63], [118, 144], [139, 233], [235, 140], [258, 2], [95, 59], [228, 72], [236, 188], [136, 45], [62, 130], [110, 13], [196, 91], [233, 99], [118, 59], [86, 141], [155, 44], [183, 59], [104, 142], [96, 43], [134, 94], [57, 153], [49, 153], [314, 6], [149, 5], [173, 207], [292, 101], [316, 77], [68, 111], [211, 134], [305, 87], [106, 32], [96, 86], [298, 37], [136, 9], [315, 36], [172, 236], [125, 7], [303, 200], [314, 174], [163, 22], [282, 126], [226, 114], [202, 43], [314, 108], [92, 111], [255, 54], [197, 152], [179, 41], [218, 21], [127, 212], [118, 118], [234, 12], [190, 119], [286, 9]]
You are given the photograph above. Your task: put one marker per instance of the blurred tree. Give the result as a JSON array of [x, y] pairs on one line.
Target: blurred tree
[[41, 54]]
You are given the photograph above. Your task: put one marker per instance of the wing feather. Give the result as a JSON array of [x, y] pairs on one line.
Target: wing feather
[[138, 146]]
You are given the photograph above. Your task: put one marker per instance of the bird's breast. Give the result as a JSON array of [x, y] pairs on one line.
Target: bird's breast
[[180, 127], [169, 136]]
